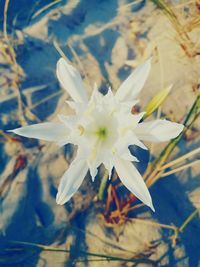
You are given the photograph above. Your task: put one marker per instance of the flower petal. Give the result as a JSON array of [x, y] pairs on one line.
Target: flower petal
[[71, 180], [135, 141], [94, 160], [128, 105], [78, 107], [69, 121], [130, 121], [71, 81], [122, 148], [48, 131], [132, 179], [158, 130], [132, 86]]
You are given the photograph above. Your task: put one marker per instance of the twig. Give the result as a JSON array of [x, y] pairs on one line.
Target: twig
[[184, 40], [5, 20], [43, 100], [108, 257], [11, 57], [180, 168], [189, 218], [59, 50], [74, 54], [153, 172], [45, 8], [182, 158], [184, 4], [160, 225]]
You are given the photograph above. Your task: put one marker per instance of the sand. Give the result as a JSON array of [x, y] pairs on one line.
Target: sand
[[105, 40]]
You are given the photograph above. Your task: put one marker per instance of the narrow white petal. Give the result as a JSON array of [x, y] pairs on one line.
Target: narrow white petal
[[93, 170], [69, 121], [48, 131], [94, 160], [108, 164], [135, 141], [78, 107], [121, 147], [96, 96], [132, 179], [128, 156], [132, 86], [71, 81], [128, 105], [158, 130], [129, 121], [71, 180]]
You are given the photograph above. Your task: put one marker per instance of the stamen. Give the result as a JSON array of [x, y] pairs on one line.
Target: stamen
[[81, 129]]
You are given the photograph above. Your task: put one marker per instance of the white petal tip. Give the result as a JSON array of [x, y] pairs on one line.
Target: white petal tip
[[152, 207], [59, 203], [179, 129], [170, 87], [70, 79], [92, 178], [95, 86], [149, 60], [15, 131], [60, 200], [63, 60], [11, 131], [69, 102], [182, 127]]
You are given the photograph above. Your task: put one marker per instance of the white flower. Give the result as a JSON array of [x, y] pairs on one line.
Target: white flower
[[103, 128]]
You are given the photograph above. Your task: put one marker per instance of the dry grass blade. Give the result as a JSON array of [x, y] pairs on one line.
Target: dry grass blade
[[45, 8], [182, 158], [184, 4], [61, 53], [153, 172], [184, 39], [81, 253], [186, 166], [5, 20], [8, 52]]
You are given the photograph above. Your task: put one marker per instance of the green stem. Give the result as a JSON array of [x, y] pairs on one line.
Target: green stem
[[165, 8], [190, 217], [103, 186], [192, 116], [108, 257], [188, 123]]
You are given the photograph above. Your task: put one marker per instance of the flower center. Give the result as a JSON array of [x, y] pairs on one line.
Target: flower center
[[102, 133]]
